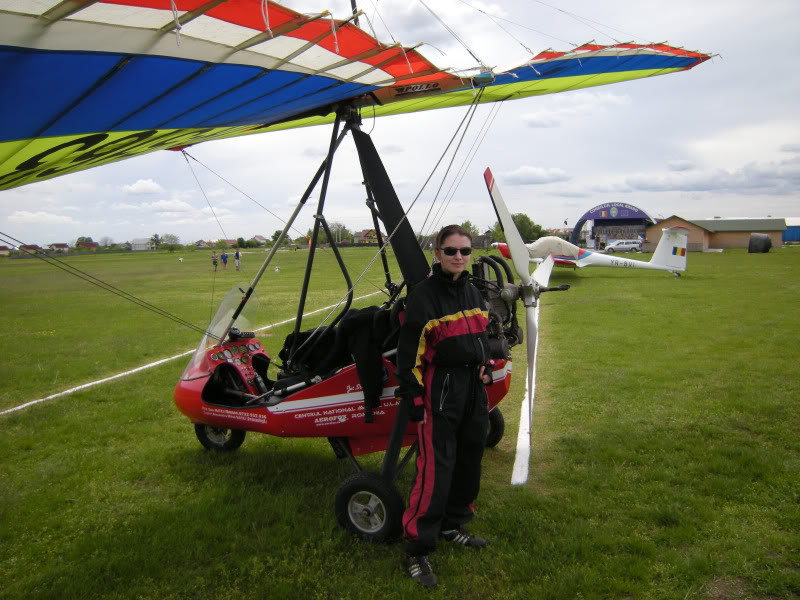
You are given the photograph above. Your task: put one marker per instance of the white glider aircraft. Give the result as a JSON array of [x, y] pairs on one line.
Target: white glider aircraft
[[670, 254]]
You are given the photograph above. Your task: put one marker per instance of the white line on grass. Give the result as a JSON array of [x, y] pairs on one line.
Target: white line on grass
[[519, 475], [158, 362]]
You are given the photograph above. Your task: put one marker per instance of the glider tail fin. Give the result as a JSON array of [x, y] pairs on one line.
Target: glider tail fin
[[671, 250]]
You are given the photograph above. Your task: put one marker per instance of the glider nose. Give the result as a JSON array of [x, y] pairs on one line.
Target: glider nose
[[503, 249]]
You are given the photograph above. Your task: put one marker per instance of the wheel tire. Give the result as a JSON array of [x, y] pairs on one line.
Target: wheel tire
[[369, 507], [497, 427], [610, 251], [216, 438]]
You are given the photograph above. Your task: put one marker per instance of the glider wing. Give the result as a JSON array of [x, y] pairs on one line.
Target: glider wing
[[89, 82]]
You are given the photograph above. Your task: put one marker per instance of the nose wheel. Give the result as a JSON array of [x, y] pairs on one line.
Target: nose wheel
[[369, 506]]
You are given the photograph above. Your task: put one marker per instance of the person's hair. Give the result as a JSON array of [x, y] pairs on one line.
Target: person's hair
[[449, 230]]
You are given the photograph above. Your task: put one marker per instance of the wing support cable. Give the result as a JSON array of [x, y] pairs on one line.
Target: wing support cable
[[104, 285]]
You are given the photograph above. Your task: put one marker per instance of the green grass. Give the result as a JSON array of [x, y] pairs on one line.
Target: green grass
[[665, 459]]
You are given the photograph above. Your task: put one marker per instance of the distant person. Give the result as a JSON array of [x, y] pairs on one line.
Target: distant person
[[224, 257], [236, 258], [214, 260]]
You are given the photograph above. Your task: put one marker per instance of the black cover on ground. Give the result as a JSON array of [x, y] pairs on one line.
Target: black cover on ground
[[759, 242]]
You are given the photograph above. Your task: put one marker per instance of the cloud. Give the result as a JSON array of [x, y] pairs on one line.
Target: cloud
[[392, 149], [168, 206], [772, 178], [40, 218], [143, 186], [790, 148], [574, 106], [680, 165], [526, 175]]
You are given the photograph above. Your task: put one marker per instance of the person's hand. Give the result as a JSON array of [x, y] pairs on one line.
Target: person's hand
[[486, 378], [416, 412], [416, 406]]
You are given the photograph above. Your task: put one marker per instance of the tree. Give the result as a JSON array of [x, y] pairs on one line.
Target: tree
[[155, 239], [528, 230], [240, 243], [470, 228], [106, 241], [340, 233], [276, 235], [82, 239], [169, 238]]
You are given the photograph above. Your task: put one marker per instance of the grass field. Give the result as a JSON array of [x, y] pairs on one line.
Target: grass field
[[665, 459]]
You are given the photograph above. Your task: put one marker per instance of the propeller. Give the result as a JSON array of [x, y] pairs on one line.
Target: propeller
[[529, 290]]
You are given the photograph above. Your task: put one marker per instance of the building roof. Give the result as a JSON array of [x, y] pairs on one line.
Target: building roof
[[726, 225], [717, 225], [4, 248], [141, 241], [59, 246], [792, 221]]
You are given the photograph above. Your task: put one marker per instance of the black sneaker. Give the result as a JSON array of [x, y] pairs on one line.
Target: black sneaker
[[420, 570], [459, 536]]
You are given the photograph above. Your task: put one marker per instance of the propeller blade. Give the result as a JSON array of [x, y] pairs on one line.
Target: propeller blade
[[532, 337], [519, 252], [542, 273]]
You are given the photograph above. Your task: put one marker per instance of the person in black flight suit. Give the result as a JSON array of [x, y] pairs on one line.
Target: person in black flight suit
[[442, 367]]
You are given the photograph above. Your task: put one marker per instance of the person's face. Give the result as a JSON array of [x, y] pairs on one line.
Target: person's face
[[457, 263]]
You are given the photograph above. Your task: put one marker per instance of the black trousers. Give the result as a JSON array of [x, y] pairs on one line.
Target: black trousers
[[452, 438]]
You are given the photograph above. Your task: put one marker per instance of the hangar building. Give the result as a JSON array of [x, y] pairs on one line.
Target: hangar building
[[717, 233]]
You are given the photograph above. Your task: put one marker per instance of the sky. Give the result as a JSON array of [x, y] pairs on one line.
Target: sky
[[722, 139]]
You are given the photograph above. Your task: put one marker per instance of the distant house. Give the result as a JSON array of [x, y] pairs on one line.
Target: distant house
[[5, 250], [260, 239], [30, 248], [142, 245], [202, 244], [368, 236], [707, 234], [88, 245], [58, 247]]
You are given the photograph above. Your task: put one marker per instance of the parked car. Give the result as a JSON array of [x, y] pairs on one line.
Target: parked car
[[624, 246]]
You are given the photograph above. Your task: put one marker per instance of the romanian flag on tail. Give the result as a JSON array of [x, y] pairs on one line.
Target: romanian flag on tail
[[678, 251]]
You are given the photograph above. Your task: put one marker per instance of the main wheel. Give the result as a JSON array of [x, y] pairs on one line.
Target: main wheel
[[216, 438], [497, 426], [370, 507], [609, 250]]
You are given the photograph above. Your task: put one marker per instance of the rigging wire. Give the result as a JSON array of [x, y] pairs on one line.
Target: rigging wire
[[104, 285], [493, 20], [390, 235], [499, 18], [242, 192], [488, 124], [202, 191], [586, 21], [453, 33], [474, 108], [441, 211]]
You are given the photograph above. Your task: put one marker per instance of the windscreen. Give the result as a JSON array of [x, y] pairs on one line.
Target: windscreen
[[244, 322]]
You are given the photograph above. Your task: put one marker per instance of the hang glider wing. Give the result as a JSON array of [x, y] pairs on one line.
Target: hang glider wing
[[89, 82]]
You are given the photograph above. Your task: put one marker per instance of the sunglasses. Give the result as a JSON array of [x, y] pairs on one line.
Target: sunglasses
[[450, 251]]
